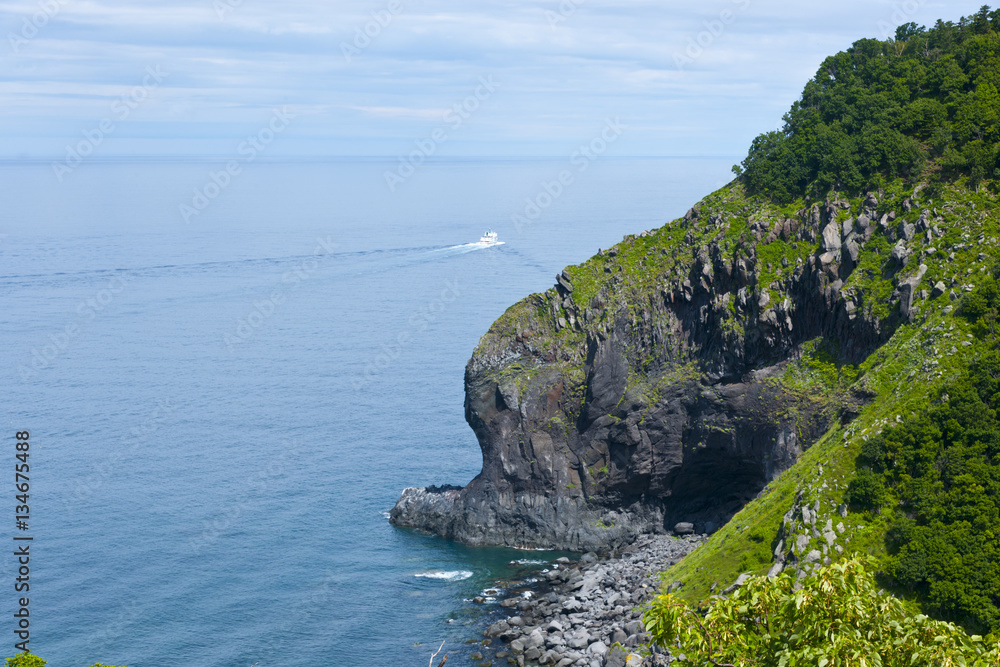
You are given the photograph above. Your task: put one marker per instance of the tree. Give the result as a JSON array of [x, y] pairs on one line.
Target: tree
[[28, 660], [866, 491], [836, 617], [877, 111], [981, 20], [908, 30]]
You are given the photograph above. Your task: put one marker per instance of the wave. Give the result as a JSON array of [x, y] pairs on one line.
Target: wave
[[465, 247], [452, 575], [373, 261]]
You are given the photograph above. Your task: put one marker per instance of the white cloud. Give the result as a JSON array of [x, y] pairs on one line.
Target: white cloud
[[402, 112], [558, 78]]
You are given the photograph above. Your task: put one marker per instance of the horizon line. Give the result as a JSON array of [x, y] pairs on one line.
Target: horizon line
[[333, 158]]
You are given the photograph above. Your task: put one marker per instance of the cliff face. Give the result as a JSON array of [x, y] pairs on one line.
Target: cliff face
[[661, 381]]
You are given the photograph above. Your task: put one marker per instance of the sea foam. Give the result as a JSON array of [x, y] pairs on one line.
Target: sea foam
[[454, 575]]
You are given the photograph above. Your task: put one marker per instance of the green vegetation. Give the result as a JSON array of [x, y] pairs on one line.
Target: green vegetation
[[882, 109], [836, 617], [906, 132], [29, 660], [25, 659], [853, 132], [937, 476]]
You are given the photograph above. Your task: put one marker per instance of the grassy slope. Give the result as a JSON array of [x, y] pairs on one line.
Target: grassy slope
[[918, 358], [922, 355]]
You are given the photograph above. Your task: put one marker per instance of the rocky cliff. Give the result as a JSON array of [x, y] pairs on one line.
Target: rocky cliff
[[668, 379]]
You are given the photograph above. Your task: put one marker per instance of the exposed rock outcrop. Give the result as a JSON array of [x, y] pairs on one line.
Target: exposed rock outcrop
[[649, 387]]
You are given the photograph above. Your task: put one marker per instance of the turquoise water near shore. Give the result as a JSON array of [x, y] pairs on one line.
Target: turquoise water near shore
[[224, 407]]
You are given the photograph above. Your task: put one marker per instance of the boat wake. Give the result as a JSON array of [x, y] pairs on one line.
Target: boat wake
[[468, 247], [487, 240]]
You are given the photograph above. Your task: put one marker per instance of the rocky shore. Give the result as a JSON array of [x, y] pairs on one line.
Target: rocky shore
[[587, 613]]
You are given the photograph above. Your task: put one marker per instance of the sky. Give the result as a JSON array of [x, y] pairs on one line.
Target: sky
[[151, 78]]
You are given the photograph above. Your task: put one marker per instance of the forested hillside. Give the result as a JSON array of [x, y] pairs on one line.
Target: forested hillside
[[910, 482], [890, 109]]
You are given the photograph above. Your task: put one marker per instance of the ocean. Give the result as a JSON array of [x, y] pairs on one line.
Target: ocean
[[228, 381]]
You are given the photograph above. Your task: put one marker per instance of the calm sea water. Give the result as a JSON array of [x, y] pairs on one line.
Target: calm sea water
[[223, 409]]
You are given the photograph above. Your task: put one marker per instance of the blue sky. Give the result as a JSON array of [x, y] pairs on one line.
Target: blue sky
[[372, 77]]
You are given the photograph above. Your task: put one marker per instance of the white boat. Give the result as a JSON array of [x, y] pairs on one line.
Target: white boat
[[489, 238]]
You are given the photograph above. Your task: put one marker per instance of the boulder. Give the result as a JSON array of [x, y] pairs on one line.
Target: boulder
[[907, 231], [831, 237], [847, 228], [740, 580], [907, 289], [684, 528], [497, 629], [900, 253], [617, 657], [598, 648], [852, 250]]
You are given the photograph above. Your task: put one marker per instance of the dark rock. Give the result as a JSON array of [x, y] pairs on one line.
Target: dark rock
[[740, 580], [616, 657], [907, 289], [684, 528], [852, 250], [579, 454], [907, 231], [598, 648], [831, 237], [900, 253], [847, 228], [497, 629]]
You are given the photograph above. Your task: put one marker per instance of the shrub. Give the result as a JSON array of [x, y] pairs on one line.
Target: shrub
[[25, 659], [837, 617], [866, 491]]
